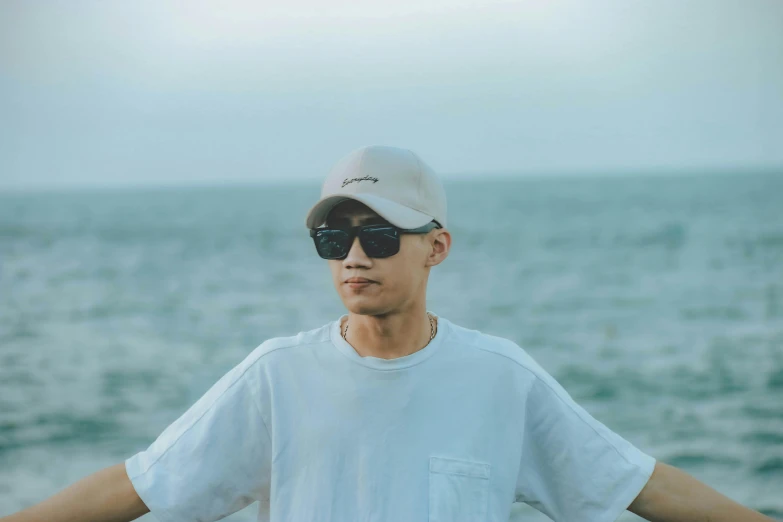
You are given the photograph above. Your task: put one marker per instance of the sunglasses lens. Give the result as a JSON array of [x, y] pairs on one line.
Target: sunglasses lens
[[380, 242], [332, 244]]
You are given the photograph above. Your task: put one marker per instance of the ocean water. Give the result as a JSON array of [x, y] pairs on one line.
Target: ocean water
[[656, 301]]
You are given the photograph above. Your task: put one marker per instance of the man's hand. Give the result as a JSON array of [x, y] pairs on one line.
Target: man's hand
[[671, 495], [104, 496]]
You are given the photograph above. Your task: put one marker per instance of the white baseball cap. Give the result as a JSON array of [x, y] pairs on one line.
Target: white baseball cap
[[393, 182]]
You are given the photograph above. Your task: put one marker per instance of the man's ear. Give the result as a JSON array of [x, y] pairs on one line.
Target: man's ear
[[441, 244]]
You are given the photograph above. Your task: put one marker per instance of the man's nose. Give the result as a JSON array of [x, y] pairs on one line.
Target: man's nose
[[356, 254]]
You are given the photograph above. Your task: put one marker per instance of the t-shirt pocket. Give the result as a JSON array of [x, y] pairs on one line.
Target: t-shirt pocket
[[459, 490]]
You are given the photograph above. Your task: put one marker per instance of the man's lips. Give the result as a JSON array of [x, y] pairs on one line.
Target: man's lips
[[358, 282]]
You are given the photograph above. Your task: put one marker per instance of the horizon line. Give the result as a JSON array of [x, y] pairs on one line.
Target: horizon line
[[448, 177]]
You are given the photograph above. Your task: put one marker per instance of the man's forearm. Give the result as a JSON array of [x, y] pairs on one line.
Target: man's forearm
[[671, 495], [104, 496]]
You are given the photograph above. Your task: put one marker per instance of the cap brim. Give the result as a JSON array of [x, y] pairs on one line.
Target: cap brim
[[396, 214]]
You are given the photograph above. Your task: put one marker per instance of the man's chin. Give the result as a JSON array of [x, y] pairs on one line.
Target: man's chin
[[363, 306]]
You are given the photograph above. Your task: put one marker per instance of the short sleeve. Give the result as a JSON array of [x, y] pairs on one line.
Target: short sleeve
[[213, 460], [573, 468]]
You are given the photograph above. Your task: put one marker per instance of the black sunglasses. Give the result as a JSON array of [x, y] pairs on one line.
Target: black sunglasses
[[376, 240]]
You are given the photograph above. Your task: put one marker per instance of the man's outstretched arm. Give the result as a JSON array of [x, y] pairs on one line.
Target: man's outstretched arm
[[105, 496], [672, 495]]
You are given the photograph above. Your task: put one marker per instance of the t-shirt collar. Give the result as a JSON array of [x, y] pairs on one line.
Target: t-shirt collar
[[397, 363]]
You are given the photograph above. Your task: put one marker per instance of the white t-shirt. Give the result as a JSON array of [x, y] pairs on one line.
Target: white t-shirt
[[454, 432]]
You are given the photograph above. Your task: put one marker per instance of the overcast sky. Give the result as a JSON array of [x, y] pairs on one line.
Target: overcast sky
[[115, 93]]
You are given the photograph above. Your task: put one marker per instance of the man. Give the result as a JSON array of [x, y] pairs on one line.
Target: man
[[389, 413]]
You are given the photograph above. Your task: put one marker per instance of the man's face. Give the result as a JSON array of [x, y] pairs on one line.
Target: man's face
[[396, 281]]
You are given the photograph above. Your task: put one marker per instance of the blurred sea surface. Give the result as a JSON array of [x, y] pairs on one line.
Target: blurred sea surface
[[656, 301]]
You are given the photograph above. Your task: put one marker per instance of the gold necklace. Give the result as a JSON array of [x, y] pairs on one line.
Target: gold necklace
[[432, 329]]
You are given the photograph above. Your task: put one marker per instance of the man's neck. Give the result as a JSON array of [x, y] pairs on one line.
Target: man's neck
[[389, 336]]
